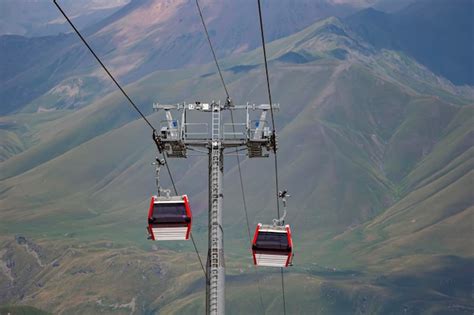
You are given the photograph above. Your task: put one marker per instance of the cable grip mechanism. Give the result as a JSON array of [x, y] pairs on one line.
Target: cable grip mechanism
[[283, 195], [158, 164]]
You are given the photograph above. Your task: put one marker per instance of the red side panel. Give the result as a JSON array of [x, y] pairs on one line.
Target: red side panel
[[150, 215], [254, 242], [189, 214], [290, 242]]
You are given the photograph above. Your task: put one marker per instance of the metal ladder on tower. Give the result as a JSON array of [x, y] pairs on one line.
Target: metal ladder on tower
[[214, 257]]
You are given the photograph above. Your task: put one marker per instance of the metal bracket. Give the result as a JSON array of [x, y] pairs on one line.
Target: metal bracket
[[158, 142]]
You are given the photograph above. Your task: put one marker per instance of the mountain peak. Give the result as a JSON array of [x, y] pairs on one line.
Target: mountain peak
[[437, 33]]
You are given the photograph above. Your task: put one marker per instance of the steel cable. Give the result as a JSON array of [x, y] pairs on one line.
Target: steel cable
[[212, 48], [103, 66], [244, 201], [134, 106], [274, 137]]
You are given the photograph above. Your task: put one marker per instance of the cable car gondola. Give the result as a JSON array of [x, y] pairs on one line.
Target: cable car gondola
[[169, 218], [272, 246]]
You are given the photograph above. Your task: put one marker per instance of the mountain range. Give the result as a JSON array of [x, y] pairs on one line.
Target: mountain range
[[375, 147], [435, 44], [34, 18]]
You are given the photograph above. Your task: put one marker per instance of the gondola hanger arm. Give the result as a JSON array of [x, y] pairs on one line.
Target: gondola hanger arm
[[283, 195]]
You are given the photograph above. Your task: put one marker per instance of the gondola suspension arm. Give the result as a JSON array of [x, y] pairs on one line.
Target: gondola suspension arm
[[158, 164], [283, 195]]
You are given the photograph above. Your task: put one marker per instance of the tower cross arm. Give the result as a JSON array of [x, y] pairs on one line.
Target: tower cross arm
[[200, 106]]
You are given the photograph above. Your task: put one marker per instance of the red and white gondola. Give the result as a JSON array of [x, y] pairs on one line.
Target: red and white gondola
[[169, 218], [272, 246]]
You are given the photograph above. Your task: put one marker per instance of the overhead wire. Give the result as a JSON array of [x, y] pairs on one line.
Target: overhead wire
[[191, 233], [103, 66], [244, 200], [283, 290], [212, 48], [134, 106], [271, 107], [274, 137]]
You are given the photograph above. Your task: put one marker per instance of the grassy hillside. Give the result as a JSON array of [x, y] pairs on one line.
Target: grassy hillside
[[379, 168], [103, 276], [139, 38], [21, 310]]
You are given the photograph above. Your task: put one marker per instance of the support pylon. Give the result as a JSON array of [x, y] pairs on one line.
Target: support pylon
[[174, 140]]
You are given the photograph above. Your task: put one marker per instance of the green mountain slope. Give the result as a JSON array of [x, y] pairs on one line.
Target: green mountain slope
[[448, 55], [141, 37], [375, 149]]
